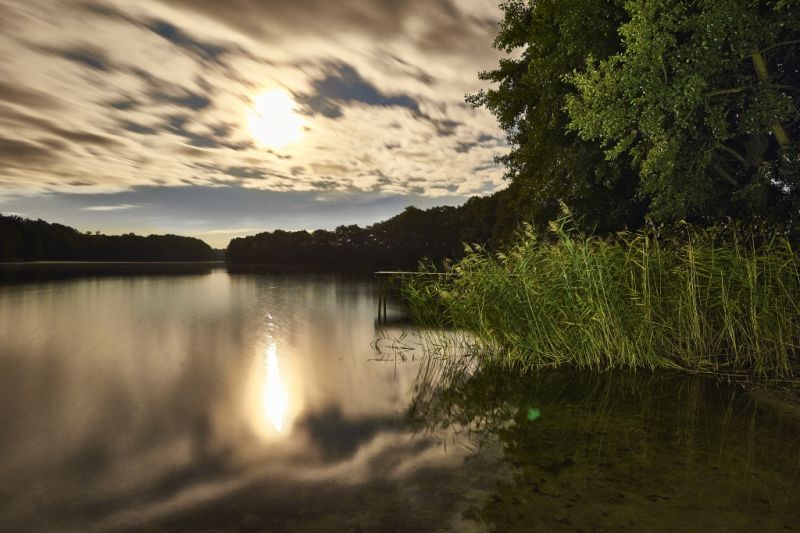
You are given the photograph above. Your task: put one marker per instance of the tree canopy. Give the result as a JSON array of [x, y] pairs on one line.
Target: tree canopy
[[399, 243], [36, 240], [668, 108], [703, 100]]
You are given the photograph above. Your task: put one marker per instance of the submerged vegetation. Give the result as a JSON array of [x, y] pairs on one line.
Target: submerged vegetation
[[705, 300], [616, 451]]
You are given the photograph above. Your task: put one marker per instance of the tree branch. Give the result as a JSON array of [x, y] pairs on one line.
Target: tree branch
[[727, 176], [739, 157], [727, 91], [763, 76], [776, 45]]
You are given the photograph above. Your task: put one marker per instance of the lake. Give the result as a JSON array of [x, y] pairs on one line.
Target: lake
[[210, 400]]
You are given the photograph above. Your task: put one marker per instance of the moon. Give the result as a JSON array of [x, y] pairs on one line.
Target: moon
[[273, 120]]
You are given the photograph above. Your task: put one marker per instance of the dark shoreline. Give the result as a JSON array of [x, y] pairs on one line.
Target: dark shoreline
[[34, 271], [6, 264]]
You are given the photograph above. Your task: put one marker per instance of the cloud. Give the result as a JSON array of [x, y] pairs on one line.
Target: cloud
[[119, 96], [204, 50], [231, 231], [24, 96], [19, 152], [46, 128], [94, 59], [439, 26], [343, 84], [118, 207]]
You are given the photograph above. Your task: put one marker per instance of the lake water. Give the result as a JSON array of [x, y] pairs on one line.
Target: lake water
[[257, 402]]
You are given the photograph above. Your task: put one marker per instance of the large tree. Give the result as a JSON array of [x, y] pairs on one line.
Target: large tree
[[702, 100], [545, 41]]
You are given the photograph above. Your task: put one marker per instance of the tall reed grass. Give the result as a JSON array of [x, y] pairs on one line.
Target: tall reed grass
[[707, 302]]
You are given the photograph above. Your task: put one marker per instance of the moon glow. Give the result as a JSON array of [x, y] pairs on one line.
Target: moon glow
[[273, 120]]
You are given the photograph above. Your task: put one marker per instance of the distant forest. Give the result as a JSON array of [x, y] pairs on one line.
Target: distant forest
[[36, 240], [398, 243]]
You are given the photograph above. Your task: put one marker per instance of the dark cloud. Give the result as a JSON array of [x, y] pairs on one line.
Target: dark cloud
[[342, 84], [222, 130], [83, 137], [486, 165], [202, 49], [19, 152], [87, 57], [46, 127], [464, 147], [185, 98], [446, 127], [104, 10], [163, 91], [177, 124], [124, 104], [21, 95], [133, 127], [329, 168], [245, 172], [331, 185], [57, 145], [180, 125]]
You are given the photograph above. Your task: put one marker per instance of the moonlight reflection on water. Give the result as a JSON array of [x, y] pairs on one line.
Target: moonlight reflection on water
[[275, 398]]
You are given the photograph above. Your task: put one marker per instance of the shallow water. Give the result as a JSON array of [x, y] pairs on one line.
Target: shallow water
[[253, 402], [625, 452]]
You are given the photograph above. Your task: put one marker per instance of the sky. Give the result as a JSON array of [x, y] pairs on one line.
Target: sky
[[218, 119]]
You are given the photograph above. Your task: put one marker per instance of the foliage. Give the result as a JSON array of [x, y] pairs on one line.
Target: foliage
[[702, 99], [36, 240], [436, 234], [547, 40], [678, 109], [703, 301]]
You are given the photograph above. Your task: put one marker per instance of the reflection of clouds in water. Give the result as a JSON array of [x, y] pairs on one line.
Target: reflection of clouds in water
[[275, 398], [388, 459], [154, 412]]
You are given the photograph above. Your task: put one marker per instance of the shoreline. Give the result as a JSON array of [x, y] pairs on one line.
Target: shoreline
[[5, 264]]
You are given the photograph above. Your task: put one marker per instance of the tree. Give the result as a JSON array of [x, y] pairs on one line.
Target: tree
[[546, 40], [702, 100], [36, 240]]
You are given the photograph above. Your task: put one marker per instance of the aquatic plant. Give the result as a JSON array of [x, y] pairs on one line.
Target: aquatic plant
[[710, 300]]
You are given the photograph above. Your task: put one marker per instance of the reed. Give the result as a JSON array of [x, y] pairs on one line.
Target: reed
[[702, 300]]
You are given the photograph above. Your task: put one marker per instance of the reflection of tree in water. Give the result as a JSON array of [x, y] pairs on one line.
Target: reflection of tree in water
[[599, 451]]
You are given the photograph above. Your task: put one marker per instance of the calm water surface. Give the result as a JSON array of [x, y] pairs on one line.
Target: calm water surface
[[252, 402]]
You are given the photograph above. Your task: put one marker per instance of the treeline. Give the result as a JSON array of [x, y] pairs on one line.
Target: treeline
[[36, 240], [398, 243]]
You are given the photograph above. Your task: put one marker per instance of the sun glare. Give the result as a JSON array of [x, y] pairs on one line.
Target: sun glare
[[273, 120]]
